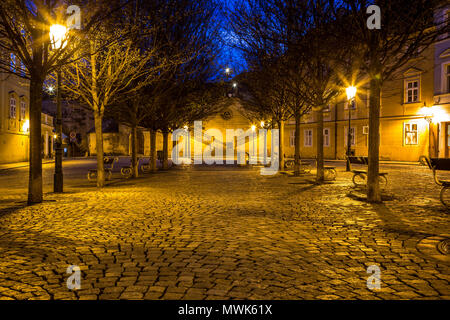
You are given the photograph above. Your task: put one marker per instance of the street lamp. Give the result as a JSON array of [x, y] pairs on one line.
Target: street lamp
[[57, 39], [351, 94]]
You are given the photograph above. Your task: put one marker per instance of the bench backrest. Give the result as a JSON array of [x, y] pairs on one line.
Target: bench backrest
[[109, 161], [358, 160], [439, 163]]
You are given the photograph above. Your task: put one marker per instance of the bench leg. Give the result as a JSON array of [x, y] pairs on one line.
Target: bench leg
[[359, 179], [383, 182], [330, 174], [126, 171], [92, 175], [445, 196]]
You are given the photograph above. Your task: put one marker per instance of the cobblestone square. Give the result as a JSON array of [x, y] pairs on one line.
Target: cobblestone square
[[223, 233]]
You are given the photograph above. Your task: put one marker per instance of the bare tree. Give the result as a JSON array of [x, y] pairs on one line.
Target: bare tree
[[24, 33], [408, 28], [105, 76]]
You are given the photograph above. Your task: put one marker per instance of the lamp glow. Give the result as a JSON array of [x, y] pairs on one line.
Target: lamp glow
[[262, 123], [26, 125], [351, 92], [57, 36], [253, 127]]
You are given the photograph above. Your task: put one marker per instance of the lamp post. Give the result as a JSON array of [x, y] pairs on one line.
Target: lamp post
[[57, 37], [428, 115], [351, 93]]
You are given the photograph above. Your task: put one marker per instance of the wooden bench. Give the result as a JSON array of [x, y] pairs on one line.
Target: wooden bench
[[360, 175], [127, 171], [441, 164], [305, 166], [108, 167], [145, 167]]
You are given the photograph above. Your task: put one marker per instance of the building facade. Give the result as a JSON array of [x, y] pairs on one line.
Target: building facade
[[415, 115], [14, 121]]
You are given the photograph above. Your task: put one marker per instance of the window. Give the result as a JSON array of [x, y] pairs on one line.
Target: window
[[447, 78], [366, 130], [412, 91], [23, 110], [292, 138], [12, 108], [352, 133], [327, 108], [411, 134], [308, 138], [326, 137]]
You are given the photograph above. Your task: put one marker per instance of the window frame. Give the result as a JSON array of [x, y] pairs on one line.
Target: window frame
[[23, 110], [308, 138], [407, 90], [446, 77], [292, 138], [353, 143], [326, 137], [405, 133], [12, 108]]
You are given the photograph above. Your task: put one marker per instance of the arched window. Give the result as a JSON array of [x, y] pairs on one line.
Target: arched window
[[12, 107]]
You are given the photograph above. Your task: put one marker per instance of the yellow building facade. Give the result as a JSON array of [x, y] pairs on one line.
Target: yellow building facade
[[14, 121], [415, 115]]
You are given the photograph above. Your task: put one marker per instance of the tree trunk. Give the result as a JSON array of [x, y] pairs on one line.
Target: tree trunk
[[373, 187], [281, 128], [165, 164], [152, 160], [134, 162], [297, 165], [35, 171], [99, 148], [320, 171]]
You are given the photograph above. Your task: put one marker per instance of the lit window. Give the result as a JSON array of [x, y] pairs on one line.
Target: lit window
[[12, 108], [326, 137], [352, 134], [23, 110], [327, 108], [411, 134], [412, 91], [292, 138], [308, 138]]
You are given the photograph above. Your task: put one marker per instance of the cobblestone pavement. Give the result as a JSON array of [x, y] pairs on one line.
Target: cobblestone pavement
[[223, 233]]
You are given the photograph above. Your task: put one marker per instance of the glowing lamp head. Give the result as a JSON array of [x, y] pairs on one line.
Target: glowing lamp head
[[234, 85], [262, 123], [55, 136], [227, 70], [50, 89], [351, 92], [58, 36], [253, 127]]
